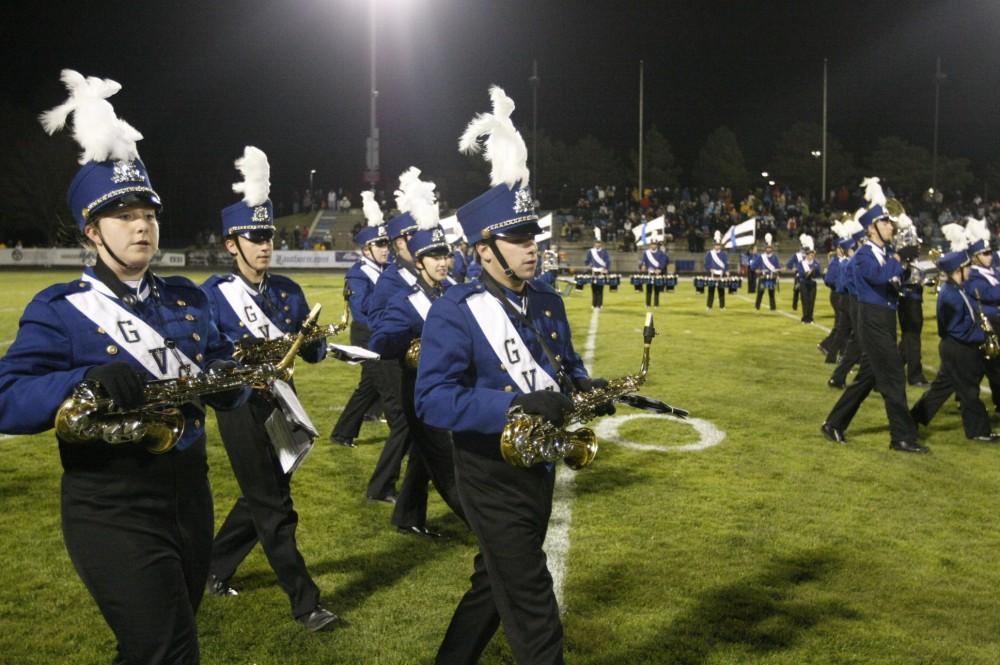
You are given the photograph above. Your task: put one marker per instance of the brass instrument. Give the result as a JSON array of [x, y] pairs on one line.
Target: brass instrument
[[254, 351], [991, 347], [88, 415], [412, 356], [527, 440]]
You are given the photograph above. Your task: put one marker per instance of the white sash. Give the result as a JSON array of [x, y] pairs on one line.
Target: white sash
[[716, 260], [421, 303], [770, 266], [597, 261], [651, 260], [370, 270], [987, 274], [238, 295], [133, 335], [407, 276], [507, 344], [879, 254]]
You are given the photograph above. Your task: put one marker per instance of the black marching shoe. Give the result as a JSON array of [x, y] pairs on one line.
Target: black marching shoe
[[822, 349], [418, 531], [907, 447], [992, 437], [920, 382], [319, 620], [342, 441], [386, 498], [832, 433], [218, 587], [836, 384]]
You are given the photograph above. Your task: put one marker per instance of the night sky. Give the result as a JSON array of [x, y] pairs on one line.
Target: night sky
[[203, 79]]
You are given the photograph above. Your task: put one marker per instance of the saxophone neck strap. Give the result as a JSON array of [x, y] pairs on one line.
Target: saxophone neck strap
[[494, 289]]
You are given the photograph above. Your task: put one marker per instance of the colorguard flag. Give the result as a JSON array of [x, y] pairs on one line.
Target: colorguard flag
[[452, 229], [649, 232], [744, 233]]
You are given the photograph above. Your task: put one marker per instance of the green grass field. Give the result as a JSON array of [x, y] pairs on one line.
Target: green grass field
[[774, 546]]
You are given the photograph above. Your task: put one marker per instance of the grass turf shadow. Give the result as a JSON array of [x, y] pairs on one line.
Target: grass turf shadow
[[759, 613]]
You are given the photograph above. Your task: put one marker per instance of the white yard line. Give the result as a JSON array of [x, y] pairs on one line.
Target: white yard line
[[557, 538], [6, 343]]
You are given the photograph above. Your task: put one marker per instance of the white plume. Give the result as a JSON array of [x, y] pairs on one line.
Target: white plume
[[806, 241], [504, 148], [417, 197], [955, 235], [873, 191], [837, 228], [101, 133], [858, 214], [851, 227], [903, 221], [597, 234], [767, 238], [718, 237], [256, 185], [370, 207], [976, 229]]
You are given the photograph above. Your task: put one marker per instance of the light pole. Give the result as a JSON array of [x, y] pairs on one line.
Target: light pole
[[371, 144], [312, 202], [534, 81], [939, 78]]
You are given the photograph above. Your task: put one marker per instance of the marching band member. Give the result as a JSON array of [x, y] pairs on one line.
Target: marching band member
[[877, 275], [793, 265], [359, 283], [717, 267], [849, 303], [807, 270], [600, 262], [253, 303], [487, 347], [550, 266], [655, 261], [399, 277], [402, 321], [460, 266], [962, 363], [833, 343], [911, 301], [766, 266], [748, 259], [983, 280], [137, 526]]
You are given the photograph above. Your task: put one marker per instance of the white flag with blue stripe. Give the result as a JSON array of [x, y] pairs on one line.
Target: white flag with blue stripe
[[741, 235]]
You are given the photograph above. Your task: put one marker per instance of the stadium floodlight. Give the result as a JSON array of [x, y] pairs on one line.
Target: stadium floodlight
[[763, 174]]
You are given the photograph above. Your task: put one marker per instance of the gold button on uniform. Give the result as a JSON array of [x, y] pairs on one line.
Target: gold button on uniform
[[181, 303], [509, 389], [101, 331], [199, 357], [189, 317], [558, 359], [284, 295], [112, 350], [197, 422], [196, 337], [553, 335], [503, 368], [288, 321], [548, 313], [288, 307], [241, 324], [81, 284]]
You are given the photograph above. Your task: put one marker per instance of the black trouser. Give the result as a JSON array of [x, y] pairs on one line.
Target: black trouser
[[138, 529], [834, 342], [852, 346], [796, 292], [264, 512], [430, 460], [388, 381], [760, 295], [962, 369], [597, 295], [652, 293], [364, 396], [711, 295], [882, 368], [911, 323], [751, 281], [508, 509], [807, 288]]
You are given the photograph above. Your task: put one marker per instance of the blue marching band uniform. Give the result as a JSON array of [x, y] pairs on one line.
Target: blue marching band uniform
[[600, 264], [500, 342], [717, 267]]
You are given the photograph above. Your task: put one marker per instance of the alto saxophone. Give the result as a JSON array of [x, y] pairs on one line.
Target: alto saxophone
[[254, 351], [991, 347], [527, 439], [89, 415]]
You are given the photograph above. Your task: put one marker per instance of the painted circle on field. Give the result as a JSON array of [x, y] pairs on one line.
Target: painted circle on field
[[708, 434]]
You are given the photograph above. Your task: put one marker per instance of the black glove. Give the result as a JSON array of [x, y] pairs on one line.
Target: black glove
[[226, 399], [586, 385], [120, 380], [312, 351], [548, 404], [908, 253]]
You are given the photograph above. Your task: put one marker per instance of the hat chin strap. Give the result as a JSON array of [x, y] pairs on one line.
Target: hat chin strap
[[107, 248], [492, 243], [239, 248]]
